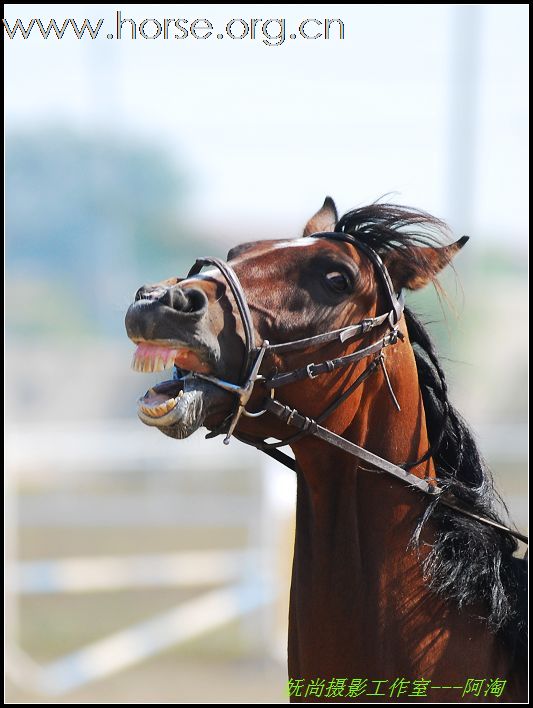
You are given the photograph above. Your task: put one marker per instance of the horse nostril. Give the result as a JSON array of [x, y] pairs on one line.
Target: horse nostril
[[197, 300], [191, 300]]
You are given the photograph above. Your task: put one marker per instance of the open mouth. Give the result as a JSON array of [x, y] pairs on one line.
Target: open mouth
[[176, 404]]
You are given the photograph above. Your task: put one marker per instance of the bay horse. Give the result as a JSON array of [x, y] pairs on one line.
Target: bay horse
[[402, 569]]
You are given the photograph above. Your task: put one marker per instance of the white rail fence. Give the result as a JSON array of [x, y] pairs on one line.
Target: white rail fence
[[232, 583]]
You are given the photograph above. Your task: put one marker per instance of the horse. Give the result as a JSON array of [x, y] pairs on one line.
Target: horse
[[405, 580]]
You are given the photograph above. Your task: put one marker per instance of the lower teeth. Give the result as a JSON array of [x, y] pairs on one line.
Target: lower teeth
[[163, 408]]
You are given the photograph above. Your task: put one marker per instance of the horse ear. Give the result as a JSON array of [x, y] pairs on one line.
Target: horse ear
[[324, 220], [416, 266]]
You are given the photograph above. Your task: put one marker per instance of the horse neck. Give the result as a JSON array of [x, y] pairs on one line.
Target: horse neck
[[345, 504], [370, 419], [355, 573]]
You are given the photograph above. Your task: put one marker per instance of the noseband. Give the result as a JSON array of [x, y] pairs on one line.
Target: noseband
[[253, 358]]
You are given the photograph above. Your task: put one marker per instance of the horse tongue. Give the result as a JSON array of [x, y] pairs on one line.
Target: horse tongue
[[162, 392]]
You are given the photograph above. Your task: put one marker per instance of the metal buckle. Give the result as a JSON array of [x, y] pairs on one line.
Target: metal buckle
[[291, 416], [309, 374]]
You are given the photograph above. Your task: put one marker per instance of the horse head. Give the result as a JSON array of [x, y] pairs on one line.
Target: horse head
[[291, 290]]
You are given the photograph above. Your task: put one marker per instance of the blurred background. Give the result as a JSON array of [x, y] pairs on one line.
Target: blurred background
[[146, 569]]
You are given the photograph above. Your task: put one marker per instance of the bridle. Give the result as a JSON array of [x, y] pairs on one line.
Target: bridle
[[253, 358]]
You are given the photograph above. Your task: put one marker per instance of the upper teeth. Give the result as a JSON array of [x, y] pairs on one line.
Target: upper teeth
[[151, 357]]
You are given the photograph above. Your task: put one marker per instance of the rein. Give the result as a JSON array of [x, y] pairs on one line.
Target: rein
[[253, 359]]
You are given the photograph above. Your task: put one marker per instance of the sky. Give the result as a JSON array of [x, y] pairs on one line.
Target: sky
[[426, 102]]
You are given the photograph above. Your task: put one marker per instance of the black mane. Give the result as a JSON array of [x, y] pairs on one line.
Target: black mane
[[469, 562]]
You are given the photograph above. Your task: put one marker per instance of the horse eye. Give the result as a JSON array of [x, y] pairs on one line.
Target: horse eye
[[338, 281]]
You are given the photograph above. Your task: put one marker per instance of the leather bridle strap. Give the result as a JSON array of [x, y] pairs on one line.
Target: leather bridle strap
[[311, 371], [342, 335], [264, 446], [242, 305], [291, 416]]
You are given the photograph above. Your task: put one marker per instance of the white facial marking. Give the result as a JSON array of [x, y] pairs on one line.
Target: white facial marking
[[296, 242]]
